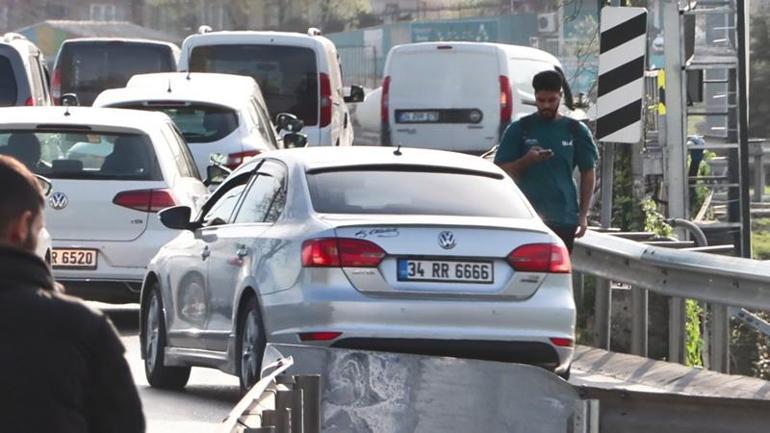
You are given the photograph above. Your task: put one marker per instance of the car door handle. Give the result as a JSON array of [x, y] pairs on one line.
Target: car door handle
[[242, 251], [205, 253]]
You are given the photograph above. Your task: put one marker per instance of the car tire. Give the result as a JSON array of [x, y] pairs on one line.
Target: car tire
[[250, 345], [154, 343]]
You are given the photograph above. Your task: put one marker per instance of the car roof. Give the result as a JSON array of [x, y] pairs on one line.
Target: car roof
[[323, 157], [511, 51], [248, 36], [107, 39], [220, 89], [146, 121]]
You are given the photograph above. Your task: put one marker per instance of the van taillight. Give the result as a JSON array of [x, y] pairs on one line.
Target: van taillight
[[385, 100], [30, 102], [56, 87], [552, 258], [341, 252], [506, 101], [326, 100], [145, 200]]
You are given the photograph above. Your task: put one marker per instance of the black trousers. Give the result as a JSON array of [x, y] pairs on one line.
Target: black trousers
[[566, 233]]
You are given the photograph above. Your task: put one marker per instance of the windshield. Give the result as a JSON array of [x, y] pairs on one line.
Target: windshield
[[91, 155], [288, 76], [199, 123], [414, 193]]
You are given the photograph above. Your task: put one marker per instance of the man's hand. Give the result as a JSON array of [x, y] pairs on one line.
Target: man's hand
[[582, 226], [537, 154]]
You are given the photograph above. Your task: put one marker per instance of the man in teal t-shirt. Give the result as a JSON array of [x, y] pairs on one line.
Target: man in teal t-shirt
[[540, 152]]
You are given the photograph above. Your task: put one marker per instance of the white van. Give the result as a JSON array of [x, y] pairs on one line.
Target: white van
[[298, 74], [458, 96]]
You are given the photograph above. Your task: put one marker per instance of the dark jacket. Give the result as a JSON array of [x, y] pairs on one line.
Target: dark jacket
[[61, 363]]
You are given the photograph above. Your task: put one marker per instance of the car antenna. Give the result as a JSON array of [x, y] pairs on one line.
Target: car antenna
[[169, 86], [397, 152], [67, 110]]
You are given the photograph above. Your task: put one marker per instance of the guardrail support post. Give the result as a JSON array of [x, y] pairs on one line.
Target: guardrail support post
[[602, 317], [720, 339], [639, 321], [280, 418], [676, 337], [311, 402]]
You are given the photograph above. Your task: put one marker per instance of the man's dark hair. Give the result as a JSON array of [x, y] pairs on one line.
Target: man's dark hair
[[21, 191], [547, 80]]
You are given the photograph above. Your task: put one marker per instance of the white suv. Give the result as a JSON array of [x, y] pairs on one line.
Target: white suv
[[112, 170], [298, 74], [216, 113]]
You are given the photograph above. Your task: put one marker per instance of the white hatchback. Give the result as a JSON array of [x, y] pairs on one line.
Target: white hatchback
[[112, 170], [216, 113]]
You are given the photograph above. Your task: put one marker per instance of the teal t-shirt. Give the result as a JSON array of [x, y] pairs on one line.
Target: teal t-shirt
[[549, 185]]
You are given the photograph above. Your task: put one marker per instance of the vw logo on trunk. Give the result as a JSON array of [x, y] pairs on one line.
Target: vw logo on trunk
[[58, 201], [446, 240]]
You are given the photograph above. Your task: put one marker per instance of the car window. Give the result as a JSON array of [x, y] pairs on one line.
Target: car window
[[219, 208], [265, 120], [199, 123], [386, 191], [189, 160], [263, 125], [287, 75], [266, 197], [88, 68], [178, 153], [93, 155], [9, 91]]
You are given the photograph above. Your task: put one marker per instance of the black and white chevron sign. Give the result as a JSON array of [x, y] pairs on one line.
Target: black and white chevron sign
[[621, 74]]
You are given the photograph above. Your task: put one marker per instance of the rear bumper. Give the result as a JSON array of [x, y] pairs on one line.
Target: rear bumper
[[103, 290]]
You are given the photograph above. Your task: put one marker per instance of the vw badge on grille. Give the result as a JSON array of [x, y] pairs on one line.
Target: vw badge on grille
[[58, 200], [446, 240]]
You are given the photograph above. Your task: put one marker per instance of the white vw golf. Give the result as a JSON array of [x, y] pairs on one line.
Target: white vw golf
[[111, 170], [409, 250]]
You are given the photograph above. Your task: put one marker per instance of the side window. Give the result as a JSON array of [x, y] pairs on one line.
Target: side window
[[221, 210], [263, 125], [269, 131], [266, 197], [189, 161], [177, 153]]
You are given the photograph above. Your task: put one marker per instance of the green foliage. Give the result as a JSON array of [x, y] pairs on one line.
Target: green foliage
[[654, 221], [694, 343], [701, 191]]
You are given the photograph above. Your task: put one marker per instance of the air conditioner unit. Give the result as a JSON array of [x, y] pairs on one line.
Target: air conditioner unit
[[546, 23]]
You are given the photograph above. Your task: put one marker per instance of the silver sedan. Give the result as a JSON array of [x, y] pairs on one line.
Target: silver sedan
[[409, 250]]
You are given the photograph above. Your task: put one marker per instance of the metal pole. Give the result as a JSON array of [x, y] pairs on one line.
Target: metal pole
[[677, 158], [719, 346], [743, 124], [639, 321]]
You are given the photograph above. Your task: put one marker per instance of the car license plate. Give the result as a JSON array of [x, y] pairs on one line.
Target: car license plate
[[445, 271], [73, 258], [418, 116]]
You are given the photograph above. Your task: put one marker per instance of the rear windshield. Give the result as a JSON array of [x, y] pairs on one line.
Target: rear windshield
[[70, 155], [8, 90], [524, 70], [414, 193], [288, 76], [88, 68], [201, 123]]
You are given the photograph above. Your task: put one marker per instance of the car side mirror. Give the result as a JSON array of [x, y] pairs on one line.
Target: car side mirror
[[356, 94], [215, 174], [292, 140], [177, 217], [45, 185], [288, 122], [70, 100]]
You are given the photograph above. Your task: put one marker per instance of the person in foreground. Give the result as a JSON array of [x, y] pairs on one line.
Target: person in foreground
[[540, 152], [62, 367]]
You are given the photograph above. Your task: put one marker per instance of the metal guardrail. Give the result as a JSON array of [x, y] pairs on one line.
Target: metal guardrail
[[687, 274]]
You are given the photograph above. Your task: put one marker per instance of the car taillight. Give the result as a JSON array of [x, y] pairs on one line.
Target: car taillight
[[56, 87], [550, 258], [341, 252], [384, 100], [562, 342], [319, 336], [506, 101], [145, 200], [326, 100], [236, 159], [30, 102]]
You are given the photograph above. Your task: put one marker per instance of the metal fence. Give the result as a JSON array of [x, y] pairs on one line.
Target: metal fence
[[359, 65]]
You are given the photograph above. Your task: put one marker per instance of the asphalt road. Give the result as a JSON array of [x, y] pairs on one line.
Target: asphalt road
[[201, 407]]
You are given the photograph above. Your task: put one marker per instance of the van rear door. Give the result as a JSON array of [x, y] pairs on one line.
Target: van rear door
[[445, 96]]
